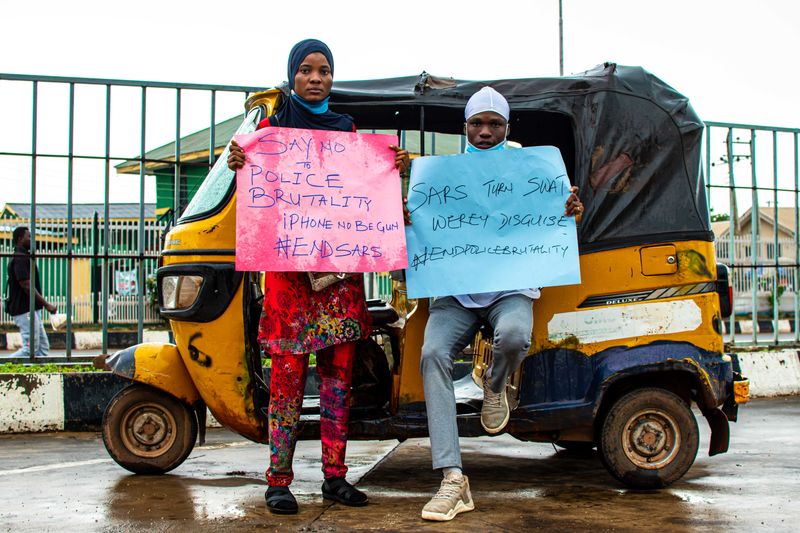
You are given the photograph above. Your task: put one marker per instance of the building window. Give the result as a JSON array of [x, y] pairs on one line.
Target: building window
[[771, 250]]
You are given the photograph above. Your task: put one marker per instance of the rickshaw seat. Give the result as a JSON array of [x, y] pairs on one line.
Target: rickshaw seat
[[382, 313]]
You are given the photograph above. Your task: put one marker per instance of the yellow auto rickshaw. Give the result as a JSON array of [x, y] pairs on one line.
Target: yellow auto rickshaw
[[615, 363]]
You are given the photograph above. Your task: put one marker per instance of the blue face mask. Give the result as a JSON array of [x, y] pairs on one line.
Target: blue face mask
[[315, 108], [469, 149]]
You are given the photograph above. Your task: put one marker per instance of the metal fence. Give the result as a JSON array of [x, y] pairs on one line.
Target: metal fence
[[752, 174], [97, 273], [135, 107], [84, 271], [741, 278]]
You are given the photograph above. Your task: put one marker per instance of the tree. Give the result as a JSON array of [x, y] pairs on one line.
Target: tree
[[719, 217]]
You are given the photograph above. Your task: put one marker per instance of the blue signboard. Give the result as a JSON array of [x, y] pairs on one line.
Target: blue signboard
[[490, 221]]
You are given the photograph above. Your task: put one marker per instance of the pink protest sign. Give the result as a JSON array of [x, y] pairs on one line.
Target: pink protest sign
[[318, 201]]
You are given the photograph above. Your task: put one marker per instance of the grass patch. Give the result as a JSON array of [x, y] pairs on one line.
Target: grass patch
[[46, 368]]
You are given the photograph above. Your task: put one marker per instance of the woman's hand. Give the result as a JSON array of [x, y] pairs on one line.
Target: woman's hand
[[235, 157], [401, 160], [574, 206]]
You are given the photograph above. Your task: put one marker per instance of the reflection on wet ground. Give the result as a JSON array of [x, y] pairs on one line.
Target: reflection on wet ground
[[66, 482]]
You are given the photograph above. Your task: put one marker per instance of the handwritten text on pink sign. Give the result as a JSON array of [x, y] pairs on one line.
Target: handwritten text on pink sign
[[322, 201]]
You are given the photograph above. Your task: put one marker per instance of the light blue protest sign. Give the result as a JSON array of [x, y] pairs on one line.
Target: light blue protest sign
[[490, 221]]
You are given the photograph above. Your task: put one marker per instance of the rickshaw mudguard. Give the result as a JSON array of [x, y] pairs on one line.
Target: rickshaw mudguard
[[216, 359], [590, 379], [158, 365], [712, 372], [594, 382]]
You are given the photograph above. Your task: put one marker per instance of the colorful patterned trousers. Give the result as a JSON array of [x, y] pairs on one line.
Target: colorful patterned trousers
[[287, 382]]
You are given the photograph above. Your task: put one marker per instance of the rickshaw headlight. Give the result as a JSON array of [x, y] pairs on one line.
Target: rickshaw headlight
[[197, 292], [180, 292]]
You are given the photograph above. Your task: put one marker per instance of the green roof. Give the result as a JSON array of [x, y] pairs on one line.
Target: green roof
[[59, 211], [194, 148]]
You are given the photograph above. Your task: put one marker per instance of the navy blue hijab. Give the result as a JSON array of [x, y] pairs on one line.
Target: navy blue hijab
[[296, 112]]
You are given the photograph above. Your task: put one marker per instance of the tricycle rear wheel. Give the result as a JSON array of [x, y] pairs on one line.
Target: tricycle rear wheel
[[649, 439], [148, 431]]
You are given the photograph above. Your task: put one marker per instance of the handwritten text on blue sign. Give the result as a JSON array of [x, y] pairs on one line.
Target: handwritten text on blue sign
[[490, 221]]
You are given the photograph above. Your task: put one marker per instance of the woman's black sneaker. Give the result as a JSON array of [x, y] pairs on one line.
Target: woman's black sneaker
[[280, 500], [339, 490]]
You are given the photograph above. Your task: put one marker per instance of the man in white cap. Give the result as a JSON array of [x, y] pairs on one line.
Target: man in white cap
[[452, 324]]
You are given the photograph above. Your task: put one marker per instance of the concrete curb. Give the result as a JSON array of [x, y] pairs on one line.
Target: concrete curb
[[55, 402], [745, 327], [76, 402], [87, 340], [771, 373]]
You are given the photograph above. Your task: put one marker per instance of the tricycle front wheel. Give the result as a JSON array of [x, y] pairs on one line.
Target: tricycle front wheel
[[649, 438], [148, 431]]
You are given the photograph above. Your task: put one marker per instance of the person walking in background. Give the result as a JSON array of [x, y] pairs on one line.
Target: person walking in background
[[19, 290]]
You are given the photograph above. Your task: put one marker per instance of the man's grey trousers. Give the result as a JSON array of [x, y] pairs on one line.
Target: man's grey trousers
[[451, 327]]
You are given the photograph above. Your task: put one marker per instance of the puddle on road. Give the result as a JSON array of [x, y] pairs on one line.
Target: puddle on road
[[224, 482], [145, 498]]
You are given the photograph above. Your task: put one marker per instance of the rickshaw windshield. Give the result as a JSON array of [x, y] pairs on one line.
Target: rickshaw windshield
[[219, 184]]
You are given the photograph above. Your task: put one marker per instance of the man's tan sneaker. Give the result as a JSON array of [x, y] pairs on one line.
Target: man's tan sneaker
[[495, 411], [452, 498]]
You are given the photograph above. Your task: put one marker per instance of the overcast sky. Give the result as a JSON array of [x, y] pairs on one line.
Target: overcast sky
[[736, 60]]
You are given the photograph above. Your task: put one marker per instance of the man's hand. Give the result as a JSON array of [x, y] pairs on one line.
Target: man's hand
[[401, 159], [406, 212], [402, 162], [26, 286], [235, 156], [573, 207]]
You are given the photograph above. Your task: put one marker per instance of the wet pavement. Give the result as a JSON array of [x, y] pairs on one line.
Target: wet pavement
[[67, 482]]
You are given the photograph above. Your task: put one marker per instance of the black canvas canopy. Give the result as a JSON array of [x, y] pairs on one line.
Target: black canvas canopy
[[630, 141]]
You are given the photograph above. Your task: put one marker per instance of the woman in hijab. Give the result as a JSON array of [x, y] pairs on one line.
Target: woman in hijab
[[298, 320]]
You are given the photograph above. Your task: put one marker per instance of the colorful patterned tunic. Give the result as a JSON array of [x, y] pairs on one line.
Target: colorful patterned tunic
[[299, 320]]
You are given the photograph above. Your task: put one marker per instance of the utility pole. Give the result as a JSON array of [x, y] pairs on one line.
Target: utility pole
[[560, 39]]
